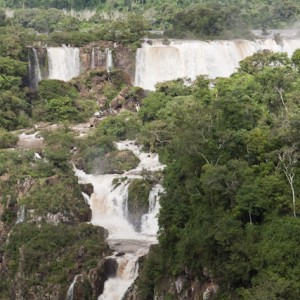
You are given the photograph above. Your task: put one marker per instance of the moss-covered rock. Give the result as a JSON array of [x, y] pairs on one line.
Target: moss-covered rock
[[46, 258], [138, 204], [115, 162], [56, 199]]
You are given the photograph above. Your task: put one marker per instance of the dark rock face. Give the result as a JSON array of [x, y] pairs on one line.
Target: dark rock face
[[124, 59], [90, 285], [181, 288], [95, 55], [87, 188], [138, 205], [110, 267]]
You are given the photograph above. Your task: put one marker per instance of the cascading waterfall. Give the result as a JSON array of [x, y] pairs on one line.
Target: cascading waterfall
[[116, 287], [109, 209], [149, 224], [63, 62], [35, 75], [93, 58], [188, 59], [109, 60], [70, 292]]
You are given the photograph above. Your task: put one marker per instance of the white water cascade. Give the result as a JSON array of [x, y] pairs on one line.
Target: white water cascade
[[35, 75], [70, 292], [109, 60], [63, 62], [109, 209], [93, 58], [156, 62]]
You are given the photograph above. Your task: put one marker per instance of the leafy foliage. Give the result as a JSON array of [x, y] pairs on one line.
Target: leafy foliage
[[40, 247], [232, 168]]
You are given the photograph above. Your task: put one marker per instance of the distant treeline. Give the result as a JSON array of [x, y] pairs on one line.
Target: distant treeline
[[189, 18]]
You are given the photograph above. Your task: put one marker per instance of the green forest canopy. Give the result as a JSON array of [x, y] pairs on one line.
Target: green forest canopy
[[189, 18]]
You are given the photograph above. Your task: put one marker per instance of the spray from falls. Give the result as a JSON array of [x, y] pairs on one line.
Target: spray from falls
[[109, 209], [158, 62]]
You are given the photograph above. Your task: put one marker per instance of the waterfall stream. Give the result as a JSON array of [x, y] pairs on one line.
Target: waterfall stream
[[157, 62], [35, 75], [70, 292], [109, 210], [63, 62], [109, 60]]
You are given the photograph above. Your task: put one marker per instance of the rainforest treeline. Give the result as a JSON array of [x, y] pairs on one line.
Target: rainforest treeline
[[230, 211], [180, 19]]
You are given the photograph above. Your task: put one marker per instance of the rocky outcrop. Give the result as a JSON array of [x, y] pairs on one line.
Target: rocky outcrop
[[124, 59], [182, 288], [95, 55], [87, 188], [128, 98], [138, 204], [90, 284]]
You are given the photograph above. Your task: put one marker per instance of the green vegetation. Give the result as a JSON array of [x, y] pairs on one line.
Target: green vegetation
[[7, 139], [231, 204], [232, 181], [138, 204], [37, 251], [52, 241], [97, 152], [188, 19]]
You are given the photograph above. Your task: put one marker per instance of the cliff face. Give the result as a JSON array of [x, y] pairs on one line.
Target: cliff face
[[45, 240], [180, 288], [95, 55], [184, 286]]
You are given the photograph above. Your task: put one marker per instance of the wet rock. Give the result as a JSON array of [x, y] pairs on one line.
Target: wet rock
[[24, 187], [110, 267], [138, 204], [87, 188]]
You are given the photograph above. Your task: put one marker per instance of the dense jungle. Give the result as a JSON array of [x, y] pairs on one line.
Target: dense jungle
[[230, 203]]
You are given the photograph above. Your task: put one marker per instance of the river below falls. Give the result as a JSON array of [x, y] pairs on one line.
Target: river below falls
[[109, 210]]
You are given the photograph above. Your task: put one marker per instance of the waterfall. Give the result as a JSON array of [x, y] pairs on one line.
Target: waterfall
[[116, 287], [34, 69], [109, 60], [70, 292], [149, 220], [86, 198], [109, 209], [63, 62], [180, 59], [93, 58]]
